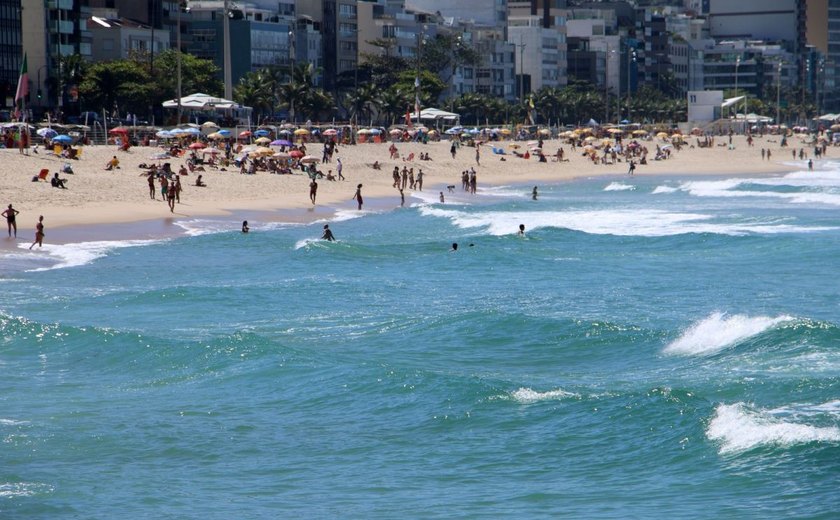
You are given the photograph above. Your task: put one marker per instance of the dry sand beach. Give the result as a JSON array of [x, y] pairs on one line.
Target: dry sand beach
[[97, 196]]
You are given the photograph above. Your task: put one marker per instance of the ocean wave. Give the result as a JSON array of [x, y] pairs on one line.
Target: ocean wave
[[738, 428], [619, 222], [816, 183], [664, 189], [618, 186], [83, 253], [718, 331], [528, 396]]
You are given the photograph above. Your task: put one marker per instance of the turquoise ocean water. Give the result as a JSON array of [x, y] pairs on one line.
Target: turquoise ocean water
[[652, 348]]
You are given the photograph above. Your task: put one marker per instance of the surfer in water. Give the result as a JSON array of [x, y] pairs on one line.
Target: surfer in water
[[328, 235]]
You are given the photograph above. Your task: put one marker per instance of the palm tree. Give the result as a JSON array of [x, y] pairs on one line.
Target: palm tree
[[394, 102], [255, 90], [364, 100]]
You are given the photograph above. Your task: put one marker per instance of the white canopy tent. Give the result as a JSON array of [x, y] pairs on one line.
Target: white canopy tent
[[436, 114], [199, 101]]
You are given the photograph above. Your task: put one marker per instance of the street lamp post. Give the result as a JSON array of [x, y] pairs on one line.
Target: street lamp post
[[778, 93], [521, 69], [737, 64], [420, 36], [631, 59], [227, 65], [178, 44]]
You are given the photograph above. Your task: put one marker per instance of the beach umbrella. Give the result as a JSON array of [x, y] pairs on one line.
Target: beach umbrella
[[281, 155], [363, 131], [677, 137], [662, 135], [284, 132], [63, 139], [197, 146], [375, 131], [514, 146], [210, 151], [215, 136], [209, 127], [640, 132], [262, 133], [615, 131], [281, 142], [455, 130], [188, 131], [163, 134], [245, 134], [330, 132], [262, 150], [545, 131], [47, 132], [118, 130], [262, 140], [296, 154], [433, 132], [224, 133], [396, 131], [309, 159], [301, 131]]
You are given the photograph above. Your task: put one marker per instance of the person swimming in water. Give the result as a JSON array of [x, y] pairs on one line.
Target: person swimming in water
[[245, 227], [328, 235], [522, 229]]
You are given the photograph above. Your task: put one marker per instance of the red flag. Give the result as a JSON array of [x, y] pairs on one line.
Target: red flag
[[22, 87], [408, 117]]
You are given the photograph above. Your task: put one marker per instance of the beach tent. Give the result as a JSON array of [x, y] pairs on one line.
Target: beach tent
[[199, 101], [436, 114]]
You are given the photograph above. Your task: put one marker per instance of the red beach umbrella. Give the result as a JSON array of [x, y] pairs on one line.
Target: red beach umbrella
[[197, 146], [246, 133], [296, 154]]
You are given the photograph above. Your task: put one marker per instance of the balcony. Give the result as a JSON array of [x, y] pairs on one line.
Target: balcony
[[62, 27], [67, 5]]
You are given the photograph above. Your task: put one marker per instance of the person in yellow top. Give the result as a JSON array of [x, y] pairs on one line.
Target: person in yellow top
[[113, 164]]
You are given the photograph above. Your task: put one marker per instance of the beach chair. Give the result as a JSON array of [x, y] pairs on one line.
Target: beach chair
[[43, 174], [57, 149]]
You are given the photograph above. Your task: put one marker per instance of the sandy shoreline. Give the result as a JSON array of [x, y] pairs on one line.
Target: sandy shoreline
[[105, 204]]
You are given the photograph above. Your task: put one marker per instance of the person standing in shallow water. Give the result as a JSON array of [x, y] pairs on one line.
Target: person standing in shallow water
[[534, 193], [358, 196], [245, 227], [39, 233], [328, 234]]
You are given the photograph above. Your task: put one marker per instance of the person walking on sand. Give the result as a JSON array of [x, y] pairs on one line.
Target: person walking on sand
[[328, 234], [452, 148], [478, 154], [10, 214], [151, 178], [402, 198], [419, 183], [768, 154], [39, 233], [313, 190], [338, 168], [358, 196], [632, 169], [171, 196]]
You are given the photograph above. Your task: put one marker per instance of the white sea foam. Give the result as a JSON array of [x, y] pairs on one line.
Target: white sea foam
[[310, 242], [817, 182], [82, 253], [12, 422], [664, 189], [719, 331], [503, 191], [738, 428], [621, 222], [23, 489], [527, 396], [618, 186]]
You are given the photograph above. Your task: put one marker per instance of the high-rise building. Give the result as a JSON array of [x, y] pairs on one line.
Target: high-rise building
[[51, 31], [11, 50]]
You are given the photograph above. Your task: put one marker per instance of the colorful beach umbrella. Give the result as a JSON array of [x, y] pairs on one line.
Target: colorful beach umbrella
[[63, 139], [281, 142]]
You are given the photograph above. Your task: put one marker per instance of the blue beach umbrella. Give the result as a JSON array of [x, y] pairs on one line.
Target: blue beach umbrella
[[47, 133], [281, 142], [63, 139], [224, 133], [261, 133]]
